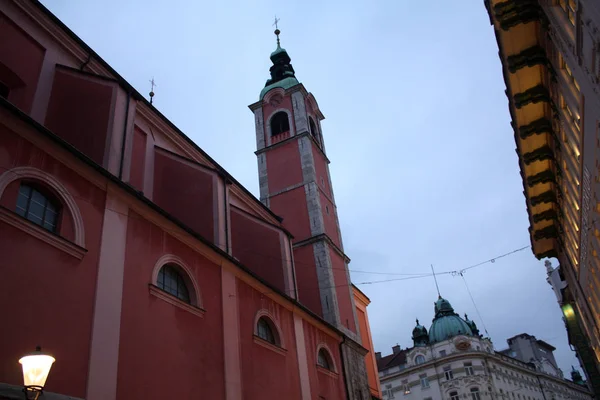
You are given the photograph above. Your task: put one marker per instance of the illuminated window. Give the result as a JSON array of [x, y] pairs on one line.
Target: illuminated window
[[171, 281], [568, 7], [567, 69], [406, 387], [38, 207]]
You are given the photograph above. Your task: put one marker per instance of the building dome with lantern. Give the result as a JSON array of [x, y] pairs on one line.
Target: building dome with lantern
[[447, 324]]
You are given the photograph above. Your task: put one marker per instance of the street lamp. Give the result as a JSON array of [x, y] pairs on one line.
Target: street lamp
[[36, 367]]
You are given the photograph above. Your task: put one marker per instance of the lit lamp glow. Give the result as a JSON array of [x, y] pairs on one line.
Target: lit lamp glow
[[568, 311], [36, 367]]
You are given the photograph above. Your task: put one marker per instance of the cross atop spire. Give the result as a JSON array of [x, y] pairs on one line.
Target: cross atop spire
[[277, 31]]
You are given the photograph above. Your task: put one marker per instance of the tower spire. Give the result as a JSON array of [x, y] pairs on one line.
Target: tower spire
[[277, 31]]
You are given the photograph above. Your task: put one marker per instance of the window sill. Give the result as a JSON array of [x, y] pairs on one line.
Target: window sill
[[44, 235], [161, 294], [326, 371], [270, 346]]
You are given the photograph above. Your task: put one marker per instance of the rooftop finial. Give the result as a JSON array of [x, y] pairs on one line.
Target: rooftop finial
[[436, 284], [152, 84], [417, 321], [277, 31]]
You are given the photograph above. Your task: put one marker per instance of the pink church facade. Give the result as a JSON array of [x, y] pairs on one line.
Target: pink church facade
[[144, 267]]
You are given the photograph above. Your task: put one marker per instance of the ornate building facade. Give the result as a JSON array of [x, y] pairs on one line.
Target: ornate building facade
[[453, 361], [143, 266], [550, 54]]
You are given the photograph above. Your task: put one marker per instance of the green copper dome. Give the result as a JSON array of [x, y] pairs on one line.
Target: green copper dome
[[447, 323], [278, 50], [419, 335], [282, 72]]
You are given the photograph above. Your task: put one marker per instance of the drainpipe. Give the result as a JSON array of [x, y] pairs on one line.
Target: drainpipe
[[344, 368], [124, 136]]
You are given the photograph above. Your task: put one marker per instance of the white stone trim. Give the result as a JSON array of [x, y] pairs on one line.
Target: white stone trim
[[323, 346], [17, 173], [265, 313], [196, 300]]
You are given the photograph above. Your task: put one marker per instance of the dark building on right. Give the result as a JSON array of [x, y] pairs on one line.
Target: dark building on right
[[550, 54]]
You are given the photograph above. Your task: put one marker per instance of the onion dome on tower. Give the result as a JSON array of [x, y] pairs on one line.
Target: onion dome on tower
[[282, 72], [419, 336], [447, 323]]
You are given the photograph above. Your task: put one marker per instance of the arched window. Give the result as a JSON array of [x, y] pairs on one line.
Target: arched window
[[475, 394], [279, 123], [420, 359], [171, 280], [313, 128], [265, 331], [454, 396], [324, 360], [38, 206]]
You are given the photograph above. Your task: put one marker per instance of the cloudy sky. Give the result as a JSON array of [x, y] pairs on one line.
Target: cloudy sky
[[417, 129]]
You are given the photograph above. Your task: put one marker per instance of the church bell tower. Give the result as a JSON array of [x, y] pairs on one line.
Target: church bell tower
[[295, 184]]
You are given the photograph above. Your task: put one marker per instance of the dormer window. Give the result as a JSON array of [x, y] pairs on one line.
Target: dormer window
[[279, 123]]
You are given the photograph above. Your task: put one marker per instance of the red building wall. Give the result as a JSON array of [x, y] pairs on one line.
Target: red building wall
[[186, 192], [284, 167], [138, 159], [263, 375], [295, 219], [323, 384], [307, 279], [343, 290], [258, 247], [177, 347], [21, 59], [45, 293], [80, 112]]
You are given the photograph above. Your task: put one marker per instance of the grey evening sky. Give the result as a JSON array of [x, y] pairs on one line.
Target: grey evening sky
[[417, 129]]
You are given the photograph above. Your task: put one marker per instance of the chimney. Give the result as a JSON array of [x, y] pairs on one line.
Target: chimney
[[378, 356], [396, 349]]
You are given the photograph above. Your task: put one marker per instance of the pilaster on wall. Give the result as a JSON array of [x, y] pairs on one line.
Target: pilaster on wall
[[231, 337], [106, 329], [357, 381], [263, 178], [329, 301], [260, 128], [300, 118], [307, 159]]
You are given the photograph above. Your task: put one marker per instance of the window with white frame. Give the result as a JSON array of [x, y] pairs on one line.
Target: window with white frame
[[420, 359], [389, 391], [448, 373], [475, 394], [454, 396], [424, 381], [469, 368]]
